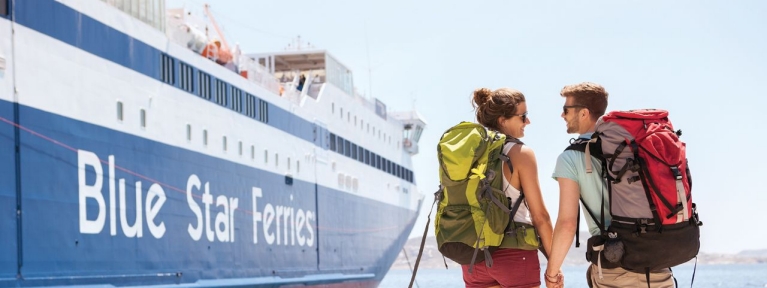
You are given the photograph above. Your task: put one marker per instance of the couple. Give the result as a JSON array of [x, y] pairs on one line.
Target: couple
[[505, 110]]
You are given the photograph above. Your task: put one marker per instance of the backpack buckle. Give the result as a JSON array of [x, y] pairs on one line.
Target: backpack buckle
[[438, 196], [642, 225], [677, 173]]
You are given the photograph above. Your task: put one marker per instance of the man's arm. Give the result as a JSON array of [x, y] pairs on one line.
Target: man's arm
[[564, 230]]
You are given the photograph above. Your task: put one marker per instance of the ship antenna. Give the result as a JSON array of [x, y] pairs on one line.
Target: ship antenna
[[370, 69]]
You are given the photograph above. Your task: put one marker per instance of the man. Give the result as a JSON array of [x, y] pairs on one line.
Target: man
[[584, 104]]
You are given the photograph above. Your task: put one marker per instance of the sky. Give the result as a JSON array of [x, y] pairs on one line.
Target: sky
[[703, 61]]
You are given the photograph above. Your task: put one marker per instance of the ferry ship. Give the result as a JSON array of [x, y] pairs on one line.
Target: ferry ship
[[137, 150]]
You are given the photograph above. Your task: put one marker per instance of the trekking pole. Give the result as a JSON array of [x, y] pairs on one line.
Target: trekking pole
[[408, 264]]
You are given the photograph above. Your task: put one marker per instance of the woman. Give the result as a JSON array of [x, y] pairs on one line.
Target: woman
[[504, 110]]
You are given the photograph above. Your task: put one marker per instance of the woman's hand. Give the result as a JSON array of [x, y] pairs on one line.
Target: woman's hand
[[554, 281]]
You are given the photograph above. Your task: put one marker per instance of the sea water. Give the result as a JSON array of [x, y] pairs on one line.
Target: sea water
[[709, 275]]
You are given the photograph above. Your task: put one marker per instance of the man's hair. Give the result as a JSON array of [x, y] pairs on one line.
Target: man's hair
[[591, 95]]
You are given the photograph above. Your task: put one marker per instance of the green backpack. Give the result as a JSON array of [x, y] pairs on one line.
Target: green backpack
[[474, 213]]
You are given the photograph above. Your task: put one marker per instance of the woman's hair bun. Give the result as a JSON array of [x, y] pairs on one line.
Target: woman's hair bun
[[481, 96]]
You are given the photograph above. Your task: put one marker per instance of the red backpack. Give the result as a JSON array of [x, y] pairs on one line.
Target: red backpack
[[654, 221]]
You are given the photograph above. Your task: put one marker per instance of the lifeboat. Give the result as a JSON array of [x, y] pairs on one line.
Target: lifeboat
[[215, 52]]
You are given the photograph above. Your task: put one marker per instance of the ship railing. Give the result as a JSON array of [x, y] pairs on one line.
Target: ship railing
[[311, 88], [258, 74]]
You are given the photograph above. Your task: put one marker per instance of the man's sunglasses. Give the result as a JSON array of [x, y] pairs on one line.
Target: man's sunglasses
[[564, 108], [524, 116]]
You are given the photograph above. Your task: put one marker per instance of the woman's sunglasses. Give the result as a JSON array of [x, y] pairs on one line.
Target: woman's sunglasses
[[524, 116]]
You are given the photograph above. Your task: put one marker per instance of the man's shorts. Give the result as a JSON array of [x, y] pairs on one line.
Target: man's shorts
[[623, 278], [512, 268]]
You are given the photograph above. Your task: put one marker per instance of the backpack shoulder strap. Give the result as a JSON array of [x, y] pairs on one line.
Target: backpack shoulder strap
[[505, 158], [437, 197], [591, 147]]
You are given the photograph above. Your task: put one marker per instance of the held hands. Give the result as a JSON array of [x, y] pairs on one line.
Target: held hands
[[554, 281]]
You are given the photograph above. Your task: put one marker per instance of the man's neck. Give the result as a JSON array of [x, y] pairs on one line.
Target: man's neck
[[592, 127]]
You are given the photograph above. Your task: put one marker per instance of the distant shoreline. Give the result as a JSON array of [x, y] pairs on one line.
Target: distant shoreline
[[433, 259]]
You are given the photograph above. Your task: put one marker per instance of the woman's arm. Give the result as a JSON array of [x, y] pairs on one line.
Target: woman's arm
[[523, 160]]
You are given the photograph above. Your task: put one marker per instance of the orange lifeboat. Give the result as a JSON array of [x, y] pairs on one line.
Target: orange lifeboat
[[215, 52]]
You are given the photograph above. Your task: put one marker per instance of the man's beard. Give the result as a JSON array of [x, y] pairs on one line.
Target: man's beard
[[572, 126]]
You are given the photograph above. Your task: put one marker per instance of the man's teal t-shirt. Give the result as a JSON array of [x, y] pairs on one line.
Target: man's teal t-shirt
[[572, 165]]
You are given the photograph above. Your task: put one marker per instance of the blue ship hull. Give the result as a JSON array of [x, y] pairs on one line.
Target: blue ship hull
[[45, 246]]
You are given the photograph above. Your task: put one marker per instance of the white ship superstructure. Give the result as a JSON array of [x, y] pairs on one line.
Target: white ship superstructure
[[132, 159]]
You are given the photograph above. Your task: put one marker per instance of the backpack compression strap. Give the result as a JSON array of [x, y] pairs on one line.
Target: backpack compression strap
[[487, 192]]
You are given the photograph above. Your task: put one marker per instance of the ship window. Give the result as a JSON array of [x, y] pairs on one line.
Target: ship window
[[188, 132], [204, 80], [355, 120], [239, 149], [360, 154], [342, 113], [340, 145], [298, 166], [367, 157], [354, 151], [348, 116], [347, 148], [119, 111], [186, 77], [250, 105], [168, 69], [288, 163], [332, 108], [276, 160], [332, 142], [252, 152], [237, 99], [221, 88], [143, 118], [263, 114], [266, 156], [4, 7], [224, 142], [205, 137]]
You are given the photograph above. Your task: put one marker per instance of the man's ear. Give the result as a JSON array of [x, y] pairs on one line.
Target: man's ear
[[586, 113]]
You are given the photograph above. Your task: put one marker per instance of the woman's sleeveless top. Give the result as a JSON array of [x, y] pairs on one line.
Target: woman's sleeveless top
[[523, 213]]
